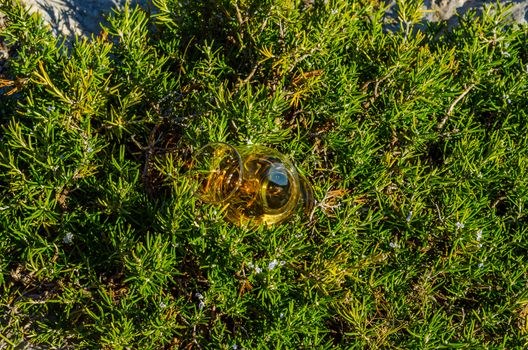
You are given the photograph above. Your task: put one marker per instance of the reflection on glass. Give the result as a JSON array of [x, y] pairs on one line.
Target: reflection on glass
[[255, 183]]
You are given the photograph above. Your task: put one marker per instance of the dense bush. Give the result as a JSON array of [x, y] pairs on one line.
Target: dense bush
[[414, 140]]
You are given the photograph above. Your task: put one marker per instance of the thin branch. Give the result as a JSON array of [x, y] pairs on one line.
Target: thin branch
[[440, 125], [249, 77], [240, 20]]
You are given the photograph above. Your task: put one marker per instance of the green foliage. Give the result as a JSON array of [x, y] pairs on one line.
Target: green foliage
[[414, 140]]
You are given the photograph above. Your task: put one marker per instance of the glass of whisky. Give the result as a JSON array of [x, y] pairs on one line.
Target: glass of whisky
[[255, 184]]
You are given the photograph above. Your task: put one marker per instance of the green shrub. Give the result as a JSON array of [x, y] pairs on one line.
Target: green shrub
[[414, 141]]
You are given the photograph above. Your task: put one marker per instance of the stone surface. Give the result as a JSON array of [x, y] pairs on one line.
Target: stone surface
[[448, 10], [82, 17], [77, 17], [4, 52]]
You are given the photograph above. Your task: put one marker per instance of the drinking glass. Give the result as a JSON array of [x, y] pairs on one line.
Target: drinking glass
[[255, 184]]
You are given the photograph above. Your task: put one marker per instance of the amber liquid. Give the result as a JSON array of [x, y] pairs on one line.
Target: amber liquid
[[264, 188]]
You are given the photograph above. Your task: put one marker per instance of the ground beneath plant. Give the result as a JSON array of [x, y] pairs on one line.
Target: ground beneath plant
[[82, 17], [78, 17]]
